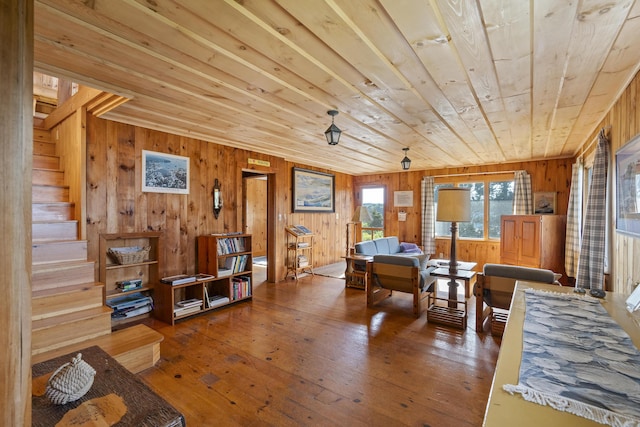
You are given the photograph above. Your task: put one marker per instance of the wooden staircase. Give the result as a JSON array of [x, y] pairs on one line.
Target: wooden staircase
[[68, 310]]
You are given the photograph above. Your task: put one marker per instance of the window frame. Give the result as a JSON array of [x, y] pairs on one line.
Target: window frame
[[469, 179]]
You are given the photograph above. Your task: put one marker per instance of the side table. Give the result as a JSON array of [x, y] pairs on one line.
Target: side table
[[455, 313], [468, 276], [355, 278]]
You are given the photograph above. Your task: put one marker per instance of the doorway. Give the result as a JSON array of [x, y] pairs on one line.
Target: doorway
[[256, 219]]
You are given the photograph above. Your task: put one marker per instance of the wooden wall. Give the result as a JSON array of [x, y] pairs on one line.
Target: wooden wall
[[71, 147], [624, 122], [115, 202], [256, 190], [547, 175]]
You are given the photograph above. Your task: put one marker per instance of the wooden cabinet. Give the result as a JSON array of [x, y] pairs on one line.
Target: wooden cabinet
[[533, 241], [299, 253], [228, 261], [148, 270]]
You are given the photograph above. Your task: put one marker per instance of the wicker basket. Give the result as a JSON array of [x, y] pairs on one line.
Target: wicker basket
[[129, 255]]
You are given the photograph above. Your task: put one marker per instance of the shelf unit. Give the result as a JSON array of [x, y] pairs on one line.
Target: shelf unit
[[299, 253], [149, 271], [214, 253]]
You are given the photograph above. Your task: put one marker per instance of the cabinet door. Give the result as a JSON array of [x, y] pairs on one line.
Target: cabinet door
[[509, 240], [530, 242]]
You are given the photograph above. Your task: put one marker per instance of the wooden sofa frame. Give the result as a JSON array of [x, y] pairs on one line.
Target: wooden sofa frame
[[383, 279]]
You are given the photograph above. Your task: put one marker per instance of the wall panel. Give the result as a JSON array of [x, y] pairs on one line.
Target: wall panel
[[115, 202]]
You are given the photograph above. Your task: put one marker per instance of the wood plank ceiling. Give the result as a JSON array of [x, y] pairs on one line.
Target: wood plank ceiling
[[459, 82]]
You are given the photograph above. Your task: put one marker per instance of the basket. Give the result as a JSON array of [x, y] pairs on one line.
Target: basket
[[129, 255]]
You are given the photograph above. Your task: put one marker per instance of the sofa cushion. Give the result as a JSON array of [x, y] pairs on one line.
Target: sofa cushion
[[382, 246], [366, 248]]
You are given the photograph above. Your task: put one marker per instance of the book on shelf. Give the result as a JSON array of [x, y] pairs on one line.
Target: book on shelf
[[189, 303], [231, 233], [131, 312], [241, 287], [183, 311], [202, 276], [217, 300], [230, 245], [178, 279], [223, 272], [303, 244], [293, 230], [303, 229]]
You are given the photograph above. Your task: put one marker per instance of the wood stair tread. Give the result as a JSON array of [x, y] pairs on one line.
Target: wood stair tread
[[50, 322], [42, 293], [123, 345]]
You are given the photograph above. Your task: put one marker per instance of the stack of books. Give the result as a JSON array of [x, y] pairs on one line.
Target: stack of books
[[182, 308], [130, 305]]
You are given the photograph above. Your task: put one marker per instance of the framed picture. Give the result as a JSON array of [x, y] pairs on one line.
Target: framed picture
[[544, 202], [313, 191], [164, 173], [628, 188]]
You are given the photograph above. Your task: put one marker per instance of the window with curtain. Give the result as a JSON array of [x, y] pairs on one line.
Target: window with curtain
[[490, 199]]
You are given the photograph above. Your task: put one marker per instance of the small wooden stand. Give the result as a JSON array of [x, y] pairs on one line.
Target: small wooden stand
[[299, 247]]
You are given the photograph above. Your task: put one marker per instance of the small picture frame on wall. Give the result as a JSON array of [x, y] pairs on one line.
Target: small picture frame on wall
[[544, 202]]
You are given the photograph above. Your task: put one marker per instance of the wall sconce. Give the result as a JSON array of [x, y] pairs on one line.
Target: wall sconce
[[217, 198], [406, 162], [333, 133]]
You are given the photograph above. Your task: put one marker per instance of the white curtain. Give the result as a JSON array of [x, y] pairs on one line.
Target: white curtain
[[522, 203], [428, 216], [574, 221]]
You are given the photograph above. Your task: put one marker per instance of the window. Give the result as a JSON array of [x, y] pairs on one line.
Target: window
[[485, 211], [373, 200], [500, 203]]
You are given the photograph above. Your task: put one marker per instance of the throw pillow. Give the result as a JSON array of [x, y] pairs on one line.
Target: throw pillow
[[410, 248]]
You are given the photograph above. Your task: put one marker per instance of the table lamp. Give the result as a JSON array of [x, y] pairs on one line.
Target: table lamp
[[454, 205], [361, 214]]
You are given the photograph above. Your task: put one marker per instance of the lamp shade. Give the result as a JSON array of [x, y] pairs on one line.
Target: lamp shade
[[361, 214], [454, 205]]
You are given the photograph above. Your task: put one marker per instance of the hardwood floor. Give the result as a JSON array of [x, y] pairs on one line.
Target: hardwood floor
[[311, 353]]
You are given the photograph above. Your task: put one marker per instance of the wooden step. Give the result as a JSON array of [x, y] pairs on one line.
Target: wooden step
[[136, 348], [52, 211], [58, 251], [43, 161], [47, 177], [49, 193], [42, 135], [54, 230], [55, 275], [56, 302], [44, 148], [60, 331]]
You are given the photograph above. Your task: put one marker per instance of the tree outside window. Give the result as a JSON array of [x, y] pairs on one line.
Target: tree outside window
[[373, 200], [485, 211]]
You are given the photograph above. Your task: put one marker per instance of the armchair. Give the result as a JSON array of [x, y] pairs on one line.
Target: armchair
[[494, 288], [388, 273]]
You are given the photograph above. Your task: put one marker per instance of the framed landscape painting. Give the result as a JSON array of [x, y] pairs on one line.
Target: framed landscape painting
[[628, 188], [312, 191], [164, 173]]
